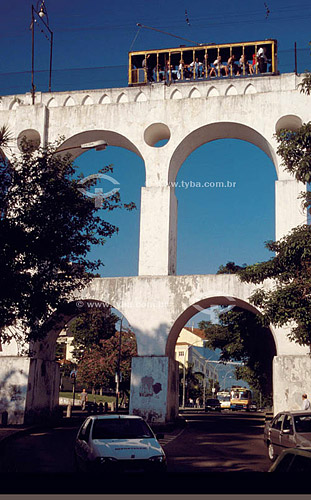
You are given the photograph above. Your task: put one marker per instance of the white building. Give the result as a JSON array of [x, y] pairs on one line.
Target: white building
[[190, 350]]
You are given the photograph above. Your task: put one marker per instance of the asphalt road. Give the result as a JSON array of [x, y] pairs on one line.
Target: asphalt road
[[230, 443]]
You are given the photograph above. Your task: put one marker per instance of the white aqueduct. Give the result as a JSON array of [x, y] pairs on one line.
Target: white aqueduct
[[157, 303]]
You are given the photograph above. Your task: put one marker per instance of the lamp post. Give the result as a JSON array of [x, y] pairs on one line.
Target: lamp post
[[224, 379], [204, 388], [118, 367], [97, 145], [39, 12]]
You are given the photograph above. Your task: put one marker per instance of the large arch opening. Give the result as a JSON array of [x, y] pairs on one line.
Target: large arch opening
[[120, 252], [213, 132], [90, 344], [188, 343], [226, 206]]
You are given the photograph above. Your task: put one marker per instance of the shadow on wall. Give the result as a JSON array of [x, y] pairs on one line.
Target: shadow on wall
[[13, 391]]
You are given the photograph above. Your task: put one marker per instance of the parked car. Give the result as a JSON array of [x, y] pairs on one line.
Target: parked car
[[252, 406], [118, 443], [288, 429], [212, 405], [293, 460]]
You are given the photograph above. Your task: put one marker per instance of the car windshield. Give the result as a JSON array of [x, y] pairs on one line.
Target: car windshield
[[212, 401], [302, 423], [120, 428]]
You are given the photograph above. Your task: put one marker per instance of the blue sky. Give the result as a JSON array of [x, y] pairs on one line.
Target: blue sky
[[214, 226]]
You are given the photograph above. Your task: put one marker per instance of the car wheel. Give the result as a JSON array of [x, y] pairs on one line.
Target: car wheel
[[271, 452]]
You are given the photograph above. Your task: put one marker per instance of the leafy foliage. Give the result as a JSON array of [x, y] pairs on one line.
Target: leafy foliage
[[47, 228], [290, 298], [98, 365], [241, 336], [90, 328], [305, 85], [230, 268]]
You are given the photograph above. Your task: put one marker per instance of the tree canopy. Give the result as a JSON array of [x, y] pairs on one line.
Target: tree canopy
[[90, 328], [47, 228], [241, 336], [98, 365]]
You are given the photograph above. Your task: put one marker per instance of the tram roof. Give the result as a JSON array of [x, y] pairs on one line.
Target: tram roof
[[204, 46]]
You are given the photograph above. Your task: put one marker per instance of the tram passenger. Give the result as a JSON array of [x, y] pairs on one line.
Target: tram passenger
[[159, 71], [149, 70], [180, 72], [262, 59], [220, 67], [232, 66], [187, 72], [196, 68], [245, 67]]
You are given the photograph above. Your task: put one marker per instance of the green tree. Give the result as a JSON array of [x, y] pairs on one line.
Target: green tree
[[90, 328], [194, 382], [98, 365], [290, 269], [290, 298], [47, 228], [230, 268], [241, 336]]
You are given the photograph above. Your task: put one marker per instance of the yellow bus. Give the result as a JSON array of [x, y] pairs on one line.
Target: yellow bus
[[240, 398], [202, 62]]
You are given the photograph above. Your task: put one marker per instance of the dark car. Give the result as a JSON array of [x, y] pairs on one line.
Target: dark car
[[293, 460], [252, 406], [212, 405], [288, 429]]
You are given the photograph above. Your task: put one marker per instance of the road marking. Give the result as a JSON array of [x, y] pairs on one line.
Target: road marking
[[169, 439]]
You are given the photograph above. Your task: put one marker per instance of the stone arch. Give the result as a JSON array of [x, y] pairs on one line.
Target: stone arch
[[52, 103], [69, 101], [213, 92], [176, 94], [105, 99], [87, 101], [231, 90], [14, 104], [190, 311], [194, 93], [122, 98], [45, 349], [140, 97], [250, 89], [112, 138], [212, 132], [291, 122]]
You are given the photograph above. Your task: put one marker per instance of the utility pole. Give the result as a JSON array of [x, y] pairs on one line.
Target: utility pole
[[118, 368]]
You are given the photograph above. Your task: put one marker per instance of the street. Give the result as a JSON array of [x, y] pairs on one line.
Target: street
[[208, 445]]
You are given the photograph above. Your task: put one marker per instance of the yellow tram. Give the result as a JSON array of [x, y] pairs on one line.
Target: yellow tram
[[202, 62]]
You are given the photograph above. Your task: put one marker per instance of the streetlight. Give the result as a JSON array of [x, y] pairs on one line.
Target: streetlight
[[97, 145], [224, 379], [204, 387], [118, 367], [40, 12]]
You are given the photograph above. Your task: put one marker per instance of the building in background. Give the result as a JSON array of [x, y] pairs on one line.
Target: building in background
[[190, 351]]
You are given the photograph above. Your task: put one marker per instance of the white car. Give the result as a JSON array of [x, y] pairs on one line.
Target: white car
[[118, 443]]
